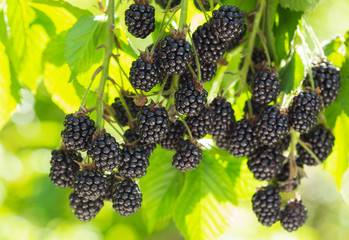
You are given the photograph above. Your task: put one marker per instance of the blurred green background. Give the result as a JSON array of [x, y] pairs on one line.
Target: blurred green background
[[33, 208]]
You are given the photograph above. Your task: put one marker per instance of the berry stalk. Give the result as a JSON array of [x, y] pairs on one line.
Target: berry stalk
[[184, 11]]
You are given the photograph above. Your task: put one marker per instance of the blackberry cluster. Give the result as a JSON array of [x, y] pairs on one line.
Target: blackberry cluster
[[163, 3], [320, 141], [205, 4], [265, 87], [105, 152], [173, 136], [272, 126], [190, 99], [208, 71], [133, 136], [140, 20], [265, 163], [199, 125], [127, 198], [243, 139], [293, 216], [78, 132], [134, 162], [187, 157], [153, 123], [64, 167], [85, 209], [90, 184], [285, 183], [304, 111], [266, 204], [120, 112], [326, 77]]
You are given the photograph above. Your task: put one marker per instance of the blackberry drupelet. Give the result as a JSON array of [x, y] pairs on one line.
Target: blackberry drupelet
[[265, 163], [105, 152], [320, 141], [187, 157], [140, 19], [266, 204], [326, 77], [284, 143], [228, 22], [173, 136], [304, 111], [83, 208], [272, 126], [243, 139], [127, 198], [265, 86], [120, 111], [153, 123], [163, 3], [208, 71], [205, 4], [209, 48], [293, 216], [285, 183], [64, 167], [133, 135], [90, 184], [134, 163], [199, 125], [78, 132]]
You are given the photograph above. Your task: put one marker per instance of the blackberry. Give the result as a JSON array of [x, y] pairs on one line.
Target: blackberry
[[135, 161], [284, 143], [144, 73], [258, 58], [105, 152], [90, 184], [266, 205], [265, 163], [293, 216], [232, 44], [327, 78], [205, 4], [174, 54], [190, 98], [320, 140], [257, 109], [85, 209], [127, 198], [173, 136], [78, 132], [64, 167], [304, 111], [199, 125], [228, 22], [163, 3], [133, 135], [120, 112], [140, 20], [223, 142], [272, 126], [111, 183], [243, 139], [187, 157], [265, 87], [208, 71], [285, 183], [153, 123], [209, 48]]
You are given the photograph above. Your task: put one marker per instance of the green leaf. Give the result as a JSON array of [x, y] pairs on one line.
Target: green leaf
[[204, 206], [268, 26], [335, 51], [298, 5], [160, 187], [292, 74]]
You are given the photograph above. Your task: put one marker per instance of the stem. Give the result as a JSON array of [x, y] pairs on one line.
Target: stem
[[305, 50], [109, 40], [196, 58], [313, 36], [174, 84], [184, 11], [217, 82], [186, 126], [203, 9], [219, 2], [89, 86], [264, 47], [112, 125], [317, 160], [162, 88], [293, 165]]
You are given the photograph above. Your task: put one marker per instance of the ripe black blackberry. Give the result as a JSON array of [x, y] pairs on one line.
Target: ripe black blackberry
[[174, 54], [209, 48], [326, 77], [205, 4], [173, 136], [265, 163], [188, 156], [153, 123], [133, 135], [304, 111], [243, 139], [163, 3], [208, 71], [199, 125], [284, 143], [320, 141], [111, 183], [120, 112], [266, 205], [144, 73], [78, 132], [127, 198], [228, 22], [190, 98], [105, 152], [90, 184], [83, 208], [64, 167], [265, 86], [272, 126], [283, 178], [256, 108], [140, 19], [134, 163], [293, 216]]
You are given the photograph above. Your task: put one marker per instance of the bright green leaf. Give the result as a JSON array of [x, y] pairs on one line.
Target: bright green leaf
[[292, 73], [298, 5]]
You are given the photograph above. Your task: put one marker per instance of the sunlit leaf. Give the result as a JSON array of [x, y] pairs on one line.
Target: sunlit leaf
[[298, 5], [292, 73]]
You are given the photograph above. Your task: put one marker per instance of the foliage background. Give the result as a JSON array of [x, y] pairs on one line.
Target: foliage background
[[35, 67]]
